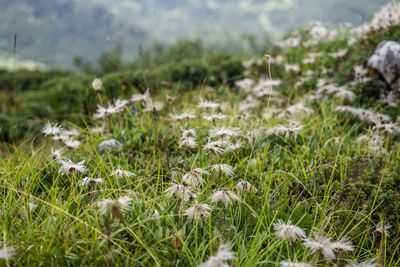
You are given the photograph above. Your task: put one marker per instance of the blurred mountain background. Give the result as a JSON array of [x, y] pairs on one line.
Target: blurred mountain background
[[53, 32]]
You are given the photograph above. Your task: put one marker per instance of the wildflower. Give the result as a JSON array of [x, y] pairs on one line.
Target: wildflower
[[155, 214], [292, 68], [103, 112], [298, 108], [71, 144], [52, 130], [339, 54], [288, 231], [204, 104], [56, 153], [121, 173], [252, 136], [364, 114], [245, 186], [214, 147], [248, 104], [233, 147], [224, 132], [194, 177], [67, 166], [225, 168], [184, 116], [343, 244], [379, 229], [88, 180], [182, 191], [32, 206], [289, 131], [387, 127], [367, 263], [72, 132], [226, 197], [220, 259], [119, 105], [141, 97], [97, 85], [189, 142], [108, 144], [115, 206], [291, 42], [214, 117], [321, 244], [153, 106], [6, 253], [198, 211], [189, 133], [245, 84], [169, 98], [294, 264]]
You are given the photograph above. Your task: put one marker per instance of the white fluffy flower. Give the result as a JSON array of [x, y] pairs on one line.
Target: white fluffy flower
[[288, 231], [72, 144], [108, 144], [122, 173], [183, 116], [344, 244], [67, 166], [189, 142], [194, 177], [245, 186], [225, 168], [179, 190], [88, 180], [7, 253], [141, 97], [56, 153], [97, 85], [294, 264], [51, 129], [367, 263], [153, 106], [321, 244], [220, 259], [204, 104], [198, 211], [226, 197], [189, 133], [108, 205], [214, 147], [214, 117]]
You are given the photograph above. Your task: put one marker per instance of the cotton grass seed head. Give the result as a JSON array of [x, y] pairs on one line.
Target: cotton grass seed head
[[198, 211], [222, 168], [109, 144], [67, 166], [294, 264], [122, 173], [288, 231], [226, 197], [220, 259], [6, 253], [51, 129], [97, 85]]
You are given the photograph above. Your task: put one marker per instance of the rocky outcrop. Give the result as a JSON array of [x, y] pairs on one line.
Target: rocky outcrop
[[386, 61]]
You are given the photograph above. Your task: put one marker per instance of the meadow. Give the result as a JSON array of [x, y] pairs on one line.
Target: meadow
[[287, 159]]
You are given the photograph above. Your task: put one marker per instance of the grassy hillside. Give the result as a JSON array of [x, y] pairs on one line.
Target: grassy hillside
[[284, 160]]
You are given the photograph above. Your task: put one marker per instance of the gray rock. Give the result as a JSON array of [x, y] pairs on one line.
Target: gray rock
[[386, 61]]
